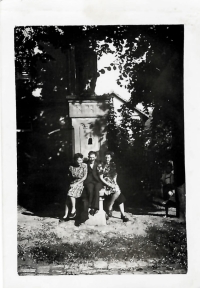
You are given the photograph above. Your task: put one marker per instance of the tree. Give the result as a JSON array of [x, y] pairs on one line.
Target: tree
[[150, 60], [153, 69]]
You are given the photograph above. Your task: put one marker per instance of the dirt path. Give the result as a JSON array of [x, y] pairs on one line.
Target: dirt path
[[148, 243]]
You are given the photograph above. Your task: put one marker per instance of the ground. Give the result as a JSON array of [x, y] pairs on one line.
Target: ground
[[148, 243]]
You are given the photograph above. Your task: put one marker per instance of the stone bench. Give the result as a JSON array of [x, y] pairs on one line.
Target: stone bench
[[99, 219]]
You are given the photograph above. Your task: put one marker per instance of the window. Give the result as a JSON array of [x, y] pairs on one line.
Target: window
[[90, 141]]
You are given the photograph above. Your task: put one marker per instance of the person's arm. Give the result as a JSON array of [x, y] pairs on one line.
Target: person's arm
[[172, 179], [162, 180], [69, 174], [105, 182], [115, 179], [85, 171], [114, 172], [171, 193], [95, 172]]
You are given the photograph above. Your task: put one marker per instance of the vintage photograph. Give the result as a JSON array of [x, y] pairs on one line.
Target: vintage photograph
[[100, 150]]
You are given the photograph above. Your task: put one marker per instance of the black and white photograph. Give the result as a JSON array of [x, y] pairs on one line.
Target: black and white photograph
[[100, 143], [100, 150]]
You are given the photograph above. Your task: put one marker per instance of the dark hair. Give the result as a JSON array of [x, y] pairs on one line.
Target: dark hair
[[92, 152], [78, 155], [110, 153]]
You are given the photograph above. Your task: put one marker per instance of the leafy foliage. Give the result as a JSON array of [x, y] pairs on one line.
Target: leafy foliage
[[151, 68], [150, 61]]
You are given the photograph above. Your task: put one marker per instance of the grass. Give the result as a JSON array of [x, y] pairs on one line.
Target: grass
[[164, 245]]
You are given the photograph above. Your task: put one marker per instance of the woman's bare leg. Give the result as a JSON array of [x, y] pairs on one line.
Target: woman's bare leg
[[123, 216], [66, 211], [121, 208], [73, 201], [113, 198]]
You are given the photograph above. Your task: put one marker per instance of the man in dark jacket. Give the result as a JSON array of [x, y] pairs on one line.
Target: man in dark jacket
[[93, 184]]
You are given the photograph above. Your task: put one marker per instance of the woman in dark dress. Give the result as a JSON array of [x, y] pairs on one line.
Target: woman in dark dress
[[108, 175], [78, 173]]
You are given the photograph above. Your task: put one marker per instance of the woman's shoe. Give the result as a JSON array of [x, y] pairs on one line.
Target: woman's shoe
[[110, 212], [124, 218], [61, 220], [72, 215]]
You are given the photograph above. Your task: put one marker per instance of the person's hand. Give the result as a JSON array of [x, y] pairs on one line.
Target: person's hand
[[170, 193], [112, 186], [72, 185]]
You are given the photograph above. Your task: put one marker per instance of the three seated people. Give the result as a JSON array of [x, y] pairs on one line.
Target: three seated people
[[87, 180]]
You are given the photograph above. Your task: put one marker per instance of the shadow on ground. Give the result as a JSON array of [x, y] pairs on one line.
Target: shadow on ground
[[133, 206]]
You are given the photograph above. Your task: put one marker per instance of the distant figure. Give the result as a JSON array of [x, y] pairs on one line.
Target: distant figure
[[78, 173], [168, 187], [108, 175]]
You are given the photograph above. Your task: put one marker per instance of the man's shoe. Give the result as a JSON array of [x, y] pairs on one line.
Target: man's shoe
[[93, 212], [78, 224], [124, 218], [72, 215]]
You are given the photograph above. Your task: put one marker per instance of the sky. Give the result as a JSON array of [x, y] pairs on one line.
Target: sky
[[107, 82]]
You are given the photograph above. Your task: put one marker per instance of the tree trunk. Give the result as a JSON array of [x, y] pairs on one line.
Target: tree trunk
[[180, 191]]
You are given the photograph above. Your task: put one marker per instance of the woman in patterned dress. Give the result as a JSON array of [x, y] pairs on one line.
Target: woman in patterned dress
[[108, 175], [78, 173]]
